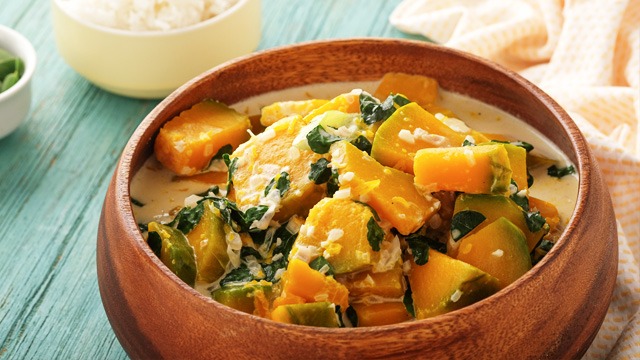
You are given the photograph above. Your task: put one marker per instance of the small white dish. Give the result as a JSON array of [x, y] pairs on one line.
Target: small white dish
[[152, 64], [16, 101]]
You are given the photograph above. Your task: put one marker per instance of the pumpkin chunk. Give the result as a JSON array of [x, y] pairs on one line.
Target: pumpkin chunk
[[302, 284], [469, 169], [251, 298], [268, 156], [187, 143], [337, 229], [363, 284], [281, 109], [421, 89], [390, 192], [347, 103], [408, 130], [208, 239], [384, 313], [500, 249], [445, 284], [494, 207], [322, 314]]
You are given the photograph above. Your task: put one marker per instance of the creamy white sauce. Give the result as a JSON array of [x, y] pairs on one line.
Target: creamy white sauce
[[161, 193]]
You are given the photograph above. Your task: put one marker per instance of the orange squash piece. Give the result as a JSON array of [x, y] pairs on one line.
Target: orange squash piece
[[388, 284], [547, 210], [418, 88], [302, 284], [281, 109], [445, 284], [470, 169], [408, 130], [265, 156], [379, 314], [390, 192], [338, 228], [186, 143], [347, 103], [499, 249]]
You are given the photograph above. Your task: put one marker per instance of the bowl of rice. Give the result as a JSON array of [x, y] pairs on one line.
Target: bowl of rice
[[148, 48]]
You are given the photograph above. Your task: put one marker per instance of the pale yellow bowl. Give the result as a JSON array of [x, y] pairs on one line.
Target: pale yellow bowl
[[153, 64]]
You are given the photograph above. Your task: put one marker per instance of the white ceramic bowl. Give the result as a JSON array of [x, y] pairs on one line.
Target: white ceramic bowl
[[152, 64], [16, 101]]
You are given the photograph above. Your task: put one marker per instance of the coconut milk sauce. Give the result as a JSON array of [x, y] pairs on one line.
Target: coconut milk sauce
[[162, 192]]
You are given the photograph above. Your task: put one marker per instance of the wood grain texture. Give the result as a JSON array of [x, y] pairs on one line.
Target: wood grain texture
[[551, 312], [55, 169]]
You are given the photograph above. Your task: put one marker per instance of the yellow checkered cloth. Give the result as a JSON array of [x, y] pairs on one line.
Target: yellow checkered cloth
[[586, 55]]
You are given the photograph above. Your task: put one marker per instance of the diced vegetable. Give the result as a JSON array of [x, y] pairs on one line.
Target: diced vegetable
[[322, 314], [379, 314], [337, 229], [499, 249], [251, 298], [408, 130], [390, 192], [208, 240], [302, 284], [547, 210], [176, 253], [421, 89], [187, 143], [493, 207], [469, 169], [445, 284], [517, 162], [264, 157], [281, 109], [388, 284], [346, 103]]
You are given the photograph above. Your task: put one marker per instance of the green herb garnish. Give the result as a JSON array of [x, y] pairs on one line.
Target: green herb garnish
[[407, 300], [232, 166], [333, 185], [320, 140], [523, 144], [362, 143], [187, 218], [419, 246], [320, 171], [534, 220], [136, 202], [319, 263], [281, 182], [375, 235], [463, 222], [560, 172], [373, 110]]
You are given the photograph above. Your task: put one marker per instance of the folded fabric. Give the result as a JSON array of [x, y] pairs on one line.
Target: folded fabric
[[586, 55]]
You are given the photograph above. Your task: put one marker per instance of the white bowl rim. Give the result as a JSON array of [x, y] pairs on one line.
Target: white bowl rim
[[29, 61], [153, 33]]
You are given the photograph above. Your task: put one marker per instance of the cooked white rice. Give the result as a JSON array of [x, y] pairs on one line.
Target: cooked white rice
[[146, 15]]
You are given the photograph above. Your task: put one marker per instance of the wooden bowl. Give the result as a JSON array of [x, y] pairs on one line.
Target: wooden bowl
[[553, 311]]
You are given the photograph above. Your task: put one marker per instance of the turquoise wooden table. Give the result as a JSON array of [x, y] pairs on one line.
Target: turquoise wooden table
[[54, 171]]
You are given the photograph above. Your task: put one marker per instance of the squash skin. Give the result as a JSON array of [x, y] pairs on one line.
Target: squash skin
[[251, 298], [500, 249], [393, 150], [445, 284], [468, 169], [494, 207], [208, 239], [320, 314], [187, 143], [390, 192]]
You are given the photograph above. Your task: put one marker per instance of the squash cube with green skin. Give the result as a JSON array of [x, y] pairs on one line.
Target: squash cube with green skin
[[322, 314], [391, 192], [208, 239], [338, 229], [408, 130], [500, 249], [445, 284], [518, 163], [494, 207], [243, 297], [176, 253], [468, 169]]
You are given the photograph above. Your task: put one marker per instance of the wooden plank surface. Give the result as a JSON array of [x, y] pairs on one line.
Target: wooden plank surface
[[54, 171]]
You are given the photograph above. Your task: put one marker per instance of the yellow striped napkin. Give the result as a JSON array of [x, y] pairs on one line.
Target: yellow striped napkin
[[586, 55]]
